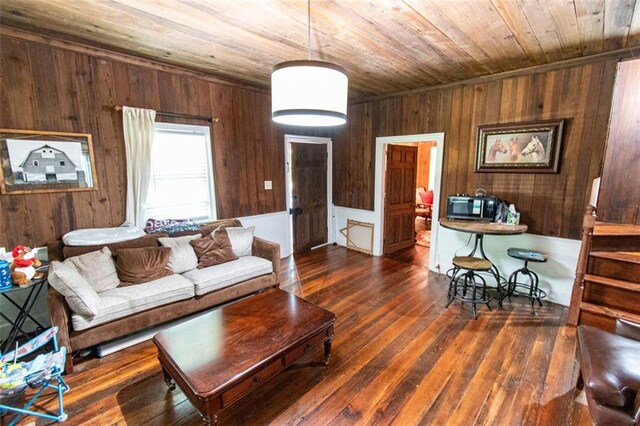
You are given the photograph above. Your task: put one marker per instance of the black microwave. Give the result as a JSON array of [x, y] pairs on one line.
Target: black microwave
[[471, 207]]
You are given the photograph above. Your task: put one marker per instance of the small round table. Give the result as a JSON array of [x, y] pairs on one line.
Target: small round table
[[480, 229]]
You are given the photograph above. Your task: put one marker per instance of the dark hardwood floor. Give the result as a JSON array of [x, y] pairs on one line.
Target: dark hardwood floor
[[399, 357], [415, 255]]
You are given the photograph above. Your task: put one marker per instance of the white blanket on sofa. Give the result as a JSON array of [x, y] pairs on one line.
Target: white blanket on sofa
[[95, 236]]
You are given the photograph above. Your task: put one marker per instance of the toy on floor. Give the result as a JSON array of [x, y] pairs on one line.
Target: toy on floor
[[11, 375], [43, 373], [23, 267]]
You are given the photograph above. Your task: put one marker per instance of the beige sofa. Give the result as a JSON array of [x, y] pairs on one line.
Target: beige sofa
[[125, 310]]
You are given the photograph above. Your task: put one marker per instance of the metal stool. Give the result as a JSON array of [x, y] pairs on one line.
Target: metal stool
[[465, 269], [530, 290]]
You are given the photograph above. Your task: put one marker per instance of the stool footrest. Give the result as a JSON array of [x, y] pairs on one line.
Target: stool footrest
[[471, 296], [521, 289]]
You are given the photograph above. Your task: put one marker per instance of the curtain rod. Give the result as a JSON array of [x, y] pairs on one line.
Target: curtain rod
[[179, 115]]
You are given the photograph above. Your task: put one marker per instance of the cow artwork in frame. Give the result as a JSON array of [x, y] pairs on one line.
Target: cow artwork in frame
[[519, 147], [33, 161]]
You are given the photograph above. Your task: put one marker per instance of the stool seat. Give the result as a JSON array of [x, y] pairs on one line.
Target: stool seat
[[526, 254], [472, 263]]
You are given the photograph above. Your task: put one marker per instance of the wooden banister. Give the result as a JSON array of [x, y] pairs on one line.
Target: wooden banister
[[588, 223]]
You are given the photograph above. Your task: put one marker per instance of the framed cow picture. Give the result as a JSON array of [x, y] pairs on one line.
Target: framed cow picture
[[519, 147], [39, 162]]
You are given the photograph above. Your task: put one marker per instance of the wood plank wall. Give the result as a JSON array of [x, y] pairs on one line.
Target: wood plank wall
[[48, 88], [619, 199], [551, 204]]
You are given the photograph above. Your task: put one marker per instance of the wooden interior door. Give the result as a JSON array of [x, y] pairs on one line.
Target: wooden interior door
[[309, 195], [400, 198]]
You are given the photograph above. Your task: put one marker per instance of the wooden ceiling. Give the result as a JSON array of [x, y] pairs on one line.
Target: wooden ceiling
[[386, 46]]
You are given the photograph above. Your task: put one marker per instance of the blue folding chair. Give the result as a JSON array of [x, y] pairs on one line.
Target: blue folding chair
[[43, 372]]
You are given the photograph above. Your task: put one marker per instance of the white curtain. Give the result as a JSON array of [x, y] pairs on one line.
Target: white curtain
[[138, 142]]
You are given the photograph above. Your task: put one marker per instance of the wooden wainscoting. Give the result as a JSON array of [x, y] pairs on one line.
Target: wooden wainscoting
[[398, 357]]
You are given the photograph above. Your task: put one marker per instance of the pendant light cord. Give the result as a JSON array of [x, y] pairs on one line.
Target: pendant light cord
[[309, 27]]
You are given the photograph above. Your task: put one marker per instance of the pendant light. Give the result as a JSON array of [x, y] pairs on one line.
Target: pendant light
[[309, 93]]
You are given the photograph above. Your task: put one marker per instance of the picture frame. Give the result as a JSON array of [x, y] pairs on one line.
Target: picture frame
[[36, 162], [531, 147]]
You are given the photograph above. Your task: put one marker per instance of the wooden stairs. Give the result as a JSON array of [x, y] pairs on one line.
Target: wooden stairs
[[607, 283]]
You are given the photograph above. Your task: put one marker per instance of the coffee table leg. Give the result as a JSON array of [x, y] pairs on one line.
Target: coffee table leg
[[168, 379], [327, 351], [210, 420]]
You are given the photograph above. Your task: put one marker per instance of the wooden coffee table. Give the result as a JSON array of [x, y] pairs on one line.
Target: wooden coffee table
[[222, 355]]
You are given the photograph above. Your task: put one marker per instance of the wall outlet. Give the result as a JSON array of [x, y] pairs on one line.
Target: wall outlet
[[268, 185]]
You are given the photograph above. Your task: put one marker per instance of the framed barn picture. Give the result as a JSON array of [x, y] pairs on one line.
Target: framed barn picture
[[34, 162], [519, 147]]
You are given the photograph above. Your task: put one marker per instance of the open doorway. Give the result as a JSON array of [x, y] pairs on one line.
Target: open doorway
[[309, 191], [425, 195], [433, 144]]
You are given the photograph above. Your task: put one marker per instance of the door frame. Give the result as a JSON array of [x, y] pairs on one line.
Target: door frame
[[288, 140], [379, 187]]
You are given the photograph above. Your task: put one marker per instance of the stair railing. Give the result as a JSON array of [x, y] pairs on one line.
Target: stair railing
[[588, 223]]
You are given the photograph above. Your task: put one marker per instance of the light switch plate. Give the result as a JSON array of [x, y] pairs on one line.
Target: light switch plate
[[268, 184]]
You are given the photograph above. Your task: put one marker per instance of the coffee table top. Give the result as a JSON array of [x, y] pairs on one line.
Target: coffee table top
[[225, 344]]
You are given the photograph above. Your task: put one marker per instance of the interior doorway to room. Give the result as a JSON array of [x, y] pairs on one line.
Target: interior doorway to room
[[408, 200], [309, 196]]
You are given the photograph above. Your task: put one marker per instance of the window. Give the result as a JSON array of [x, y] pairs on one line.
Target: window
[[181, 183], [35, 162], [62, 163]]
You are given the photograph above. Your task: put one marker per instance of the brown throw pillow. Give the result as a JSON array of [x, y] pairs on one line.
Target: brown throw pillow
[[214, 249], [141, 265]]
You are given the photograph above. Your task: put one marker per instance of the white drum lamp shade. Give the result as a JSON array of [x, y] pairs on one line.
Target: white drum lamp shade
[[309, 93]]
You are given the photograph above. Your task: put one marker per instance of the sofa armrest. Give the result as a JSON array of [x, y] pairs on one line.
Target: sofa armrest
[[268, 250], [60, 314], [628, 329]]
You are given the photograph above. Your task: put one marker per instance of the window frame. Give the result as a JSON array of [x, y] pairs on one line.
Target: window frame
[[206, 132]]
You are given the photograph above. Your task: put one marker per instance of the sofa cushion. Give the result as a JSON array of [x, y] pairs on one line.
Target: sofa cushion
[[150, 240], [609, 365], [142, 265], [226, 274], [241, 240], [213, 249], [80, 296], [122, 301], [183, 258], [97, 267], [208, 227]]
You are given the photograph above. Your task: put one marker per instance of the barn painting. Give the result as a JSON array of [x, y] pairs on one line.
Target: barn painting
[[45, 162]]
